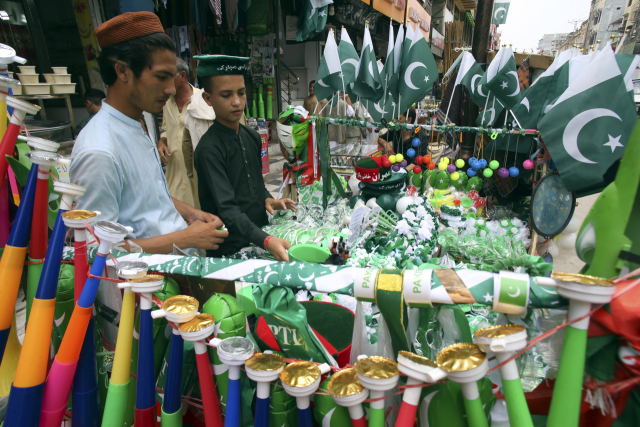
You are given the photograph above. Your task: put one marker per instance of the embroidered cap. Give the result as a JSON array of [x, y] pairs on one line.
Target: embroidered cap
[[127, 26], [218, 65]]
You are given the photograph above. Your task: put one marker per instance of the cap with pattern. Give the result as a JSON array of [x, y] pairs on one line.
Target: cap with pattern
[[127, 26]]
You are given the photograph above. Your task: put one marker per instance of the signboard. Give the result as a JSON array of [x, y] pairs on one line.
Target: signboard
[[355, 14], [419, 17], [437, 43], [394, 9]]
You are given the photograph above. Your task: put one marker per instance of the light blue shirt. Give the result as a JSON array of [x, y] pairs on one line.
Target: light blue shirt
[[115, 159]]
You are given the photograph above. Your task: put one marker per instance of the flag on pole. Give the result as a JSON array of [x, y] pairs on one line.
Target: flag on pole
[[565, 76], [469, 76], [500, 11], [381, 110], [392, 85], [419, 72], [490, 116], [587, 128], [329, 78], [628, 64], [367, 83], [312, 19], [502, 78], [348, 57]]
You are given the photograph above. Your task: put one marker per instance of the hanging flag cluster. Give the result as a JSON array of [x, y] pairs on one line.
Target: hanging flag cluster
[[406, 77], [582, 106], [312, 19]]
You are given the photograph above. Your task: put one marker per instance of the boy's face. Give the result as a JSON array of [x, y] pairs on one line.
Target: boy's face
[[227, 97], [403, 118], [151, 91]]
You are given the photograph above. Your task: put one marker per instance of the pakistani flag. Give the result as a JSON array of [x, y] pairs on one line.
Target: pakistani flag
[[564, 76], [329, 78], [587, 128], [312, 19], [627, 64], [489, 116], [469, 76], [392, 85], [500, 11], [348, 57], [367, 84], [383, 109], [419, 72], [502, 78]]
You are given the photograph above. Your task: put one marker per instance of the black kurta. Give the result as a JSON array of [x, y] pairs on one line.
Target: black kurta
[[230, 184]]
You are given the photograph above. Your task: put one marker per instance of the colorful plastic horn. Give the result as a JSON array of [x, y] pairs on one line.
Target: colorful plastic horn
[[263, 369], [13, 258], [196, 330], [415, 368], [145, 410], [20, 109], [378, 374], [39, 224], [233, 352], [28, 384], [347, 391], [118, 391], [465, 364], [171, 413], [301, 380], [63, 369], [581, 291], [503, 340]]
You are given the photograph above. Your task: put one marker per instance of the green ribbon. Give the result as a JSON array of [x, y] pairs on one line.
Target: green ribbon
[[390, 300]]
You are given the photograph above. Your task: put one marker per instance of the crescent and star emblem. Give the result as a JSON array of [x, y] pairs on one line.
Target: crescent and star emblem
[[516, 294], [571, 132], [495, 15], [473, 82], [407, 75], [517, 91]]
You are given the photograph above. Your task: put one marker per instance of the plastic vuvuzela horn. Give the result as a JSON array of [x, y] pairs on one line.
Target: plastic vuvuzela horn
[[5, 85], [196, 330], [464, 364], [379, 375], [347, 391], [263, 368], [177, 309], [13, 258], [581, 291], [63, 369], [118, 391], [503, 340], [39, 225], [28, 384], [233, 352], [20, 109], [301, 380], [415, 367]]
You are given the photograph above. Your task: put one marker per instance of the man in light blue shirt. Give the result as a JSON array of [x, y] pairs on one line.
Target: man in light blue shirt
[[115, 158]]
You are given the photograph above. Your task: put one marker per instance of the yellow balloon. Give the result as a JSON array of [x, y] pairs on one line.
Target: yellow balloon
[[392, 159], [399, 158], [455, 176], [442, 166], [445, 160]]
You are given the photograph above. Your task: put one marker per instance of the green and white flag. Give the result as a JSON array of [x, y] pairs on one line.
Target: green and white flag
[[348, 57], [329, 78], [587, 128], [367, 84], [386, 73], [500, 11], [419, 72], [489, 116], [381, 110], [628, 64], [392, 85], [502, 78], [469, 76], [312, 19]]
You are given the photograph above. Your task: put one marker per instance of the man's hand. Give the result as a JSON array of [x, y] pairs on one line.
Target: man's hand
[[278, 248], [198, 215], [163, 150], [204, 235], [273, 205]]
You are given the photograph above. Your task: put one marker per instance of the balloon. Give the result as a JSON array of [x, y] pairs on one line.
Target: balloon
[[514, 171], [371, 203], [567, 241], [417, 169], [445, 159], [396, 167], [385, 157], [471, 172], [459, 163], [431, 166], [451, 168], [472, 159], [392, 159], [483, 163], [403, 163], [411, 152], [503, 173], [419, 160], [494, 164], [416, 142], [455, 176], [573, 226], [399, 157], [474, 195], [426, 159], [475, 165], [403, 204], [528, 164], [488, 173], [386, 163], [553, 250], [442, 166]]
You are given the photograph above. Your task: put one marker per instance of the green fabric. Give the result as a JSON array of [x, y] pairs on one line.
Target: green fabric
[[331, 321], [505, 83], [368, 84], [311, 21], [414, 86], [602, 353], [500, 11], [283, 411], [393, 309], [218, 65], [323, 149], [258, 18]]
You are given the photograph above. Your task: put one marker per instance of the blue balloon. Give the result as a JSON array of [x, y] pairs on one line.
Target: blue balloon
[[471, 160], [415, 142], [483, 163], [411, 152], [514, 171], [471, 172], [475, 165]]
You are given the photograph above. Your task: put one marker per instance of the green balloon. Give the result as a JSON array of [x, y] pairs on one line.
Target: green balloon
[[475, 183], [387, 202], [460, 182], [354, 200], [442, 180]]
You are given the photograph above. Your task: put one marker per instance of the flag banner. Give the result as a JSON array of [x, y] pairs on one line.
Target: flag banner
[[348, 57], [329, 78], [392, 85], [587, 128], [469, 75], [419, 72], [312, 19], [502, 78], [500, 11], [367, 84]]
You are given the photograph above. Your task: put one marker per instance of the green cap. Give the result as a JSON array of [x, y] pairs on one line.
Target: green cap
[[218, 65]]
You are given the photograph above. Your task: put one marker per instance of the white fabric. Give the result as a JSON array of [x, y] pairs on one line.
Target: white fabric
[[199, 118]]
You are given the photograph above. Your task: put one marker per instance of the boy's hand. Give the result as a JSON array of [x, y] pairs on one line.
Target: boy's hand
[[163, 150], [273, 205], [278, 248]]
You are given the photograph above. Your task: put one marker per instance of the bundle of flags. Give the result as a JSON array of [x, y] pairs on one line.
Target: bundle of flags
[[388, 89], [582, 105]]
